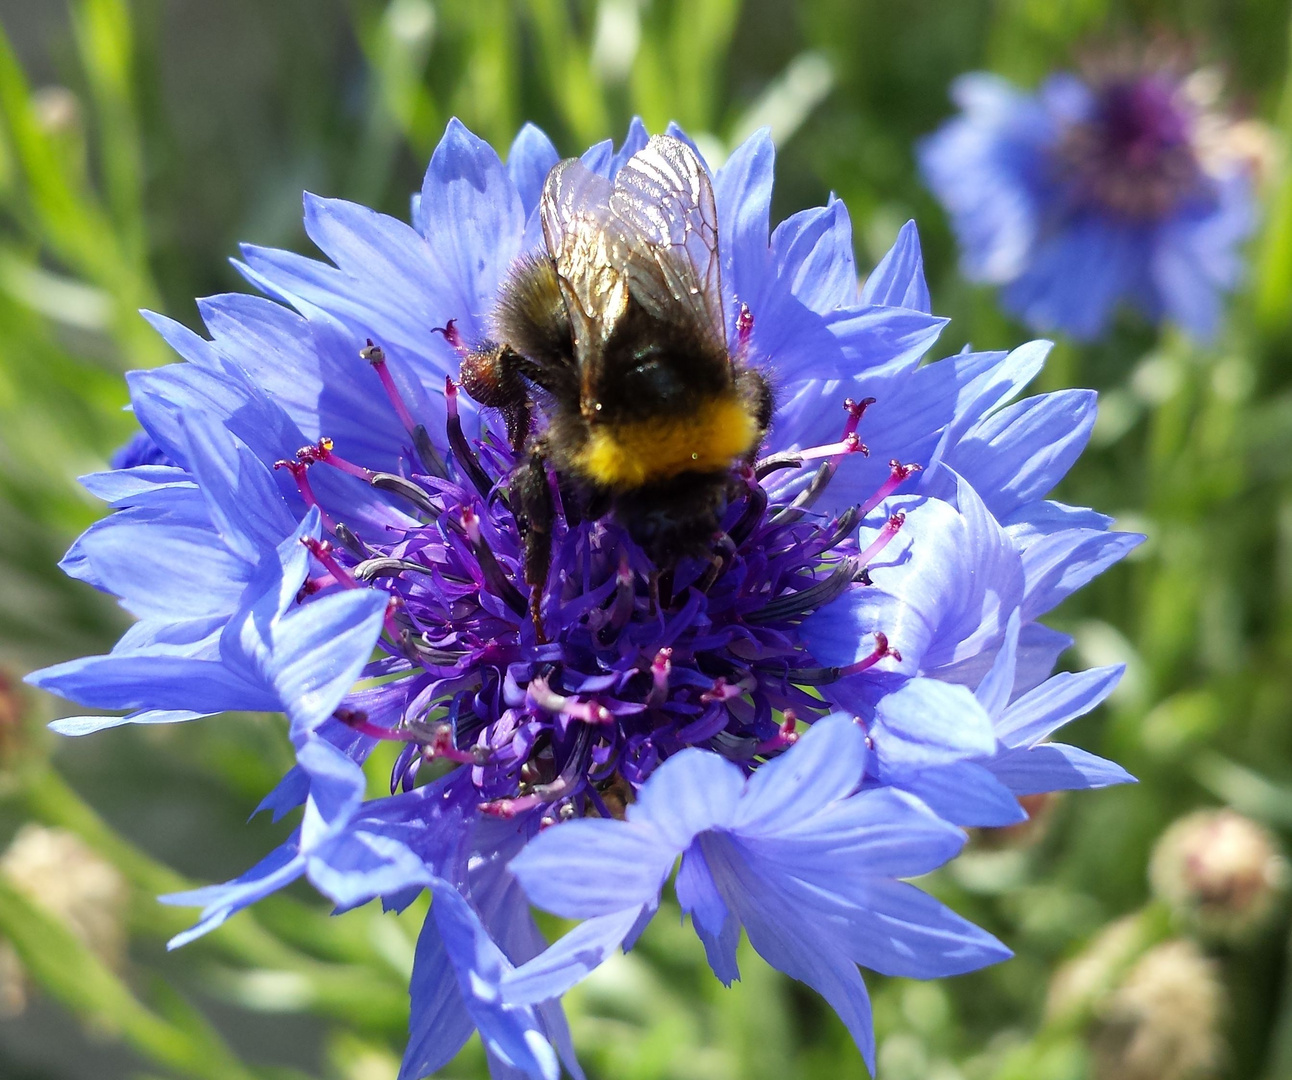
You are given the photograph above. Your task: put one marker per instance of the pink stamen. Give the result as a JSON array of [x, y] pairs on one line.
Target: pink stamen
[[856, 410], [721, 690], [300, 473], [322, 451], [393, 629], [322, 551], [783, 738], [621, 608], [891, 528], [452, 336], [441, 746], [357, 720], [850, 444], [509, 808], [660, 670], [313, 585], [895, 478], [744, 329], [451, 396], [376, 356], [540, 694], [880, 652]]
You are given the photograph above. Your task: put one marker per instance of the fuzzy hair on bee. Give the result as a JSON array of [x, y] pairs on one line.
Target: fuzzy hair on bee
[[616, 334]]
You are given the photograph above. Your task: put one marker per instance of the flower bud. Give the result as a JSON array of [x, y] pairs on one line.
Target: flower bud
[[65, 877], [1219, 872], [1163, 1022], [57, 110]]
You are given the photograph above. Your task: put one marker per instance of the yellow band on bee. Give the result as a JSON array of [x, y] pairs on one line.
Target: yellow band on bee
[[632, 455]]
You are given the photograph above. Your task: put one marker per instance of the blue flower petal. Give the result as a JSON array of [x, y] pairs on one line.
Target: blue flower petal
[[1056, 767], [594, 867], [475, 214], [1054, 703], [529, 160], [898, 279]]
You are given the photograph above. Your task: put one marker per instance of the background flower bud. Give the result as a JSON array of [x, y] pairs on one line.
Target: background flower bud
[[61, 874], [1219, 872], [1163, 1022]]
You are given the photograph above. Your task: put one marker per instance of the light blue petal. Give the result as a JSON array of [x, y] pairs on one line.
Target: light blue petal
[[281, 867], [692, 791], [997, 686], [146, 683], [320, 650], [476, 219], [1056, 767], [244, 501], [591, 867], [965, 793], [1060, 564], [1018, 453], [570, 959], [1055, 702], [743, 192], [511, 1032], [898, 280], [159, 571], [813, 254], [438, 1022], [529, 160], [85, 725], [825, 765], [877, 833], [792, 945]]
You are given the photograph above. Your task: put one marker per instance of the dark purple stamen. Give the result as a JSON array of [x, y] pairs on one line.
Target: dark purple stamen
[[462, 452]]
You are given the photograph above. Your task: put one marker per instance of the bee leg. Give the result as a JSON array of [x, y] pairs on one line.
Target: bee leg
[[490, 373], [535, 500], [517, 419]]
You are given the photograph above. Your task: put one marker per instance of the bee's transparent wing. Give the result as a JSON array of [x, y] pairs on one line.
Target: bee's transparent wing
[[663, 207], [576, 218]]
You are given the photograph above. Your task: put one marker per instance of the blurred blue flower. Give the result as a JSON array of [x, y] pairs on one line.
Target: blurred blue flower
[[1121, 187], [327, 534]]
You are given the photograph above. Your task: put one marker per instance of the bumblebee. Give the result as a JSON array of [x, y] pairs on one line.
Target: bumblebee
[[616, 335]]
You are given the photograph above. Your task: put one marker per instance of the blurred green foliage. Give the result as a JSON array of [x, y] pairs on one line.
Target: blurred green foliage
[[139, 142]]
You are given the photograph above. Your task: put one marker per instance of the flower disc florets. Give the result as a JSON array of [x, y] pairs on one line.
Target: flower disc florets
[[635, 662]]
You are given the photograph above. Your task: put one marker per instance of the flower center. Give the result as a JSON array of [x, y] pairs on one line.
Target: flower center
[[1135, 155], [643, 662]]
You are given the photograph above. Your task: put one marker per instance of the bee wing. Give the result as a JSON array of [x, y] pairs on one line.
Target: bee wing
[[581, 240], [662, 204]]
